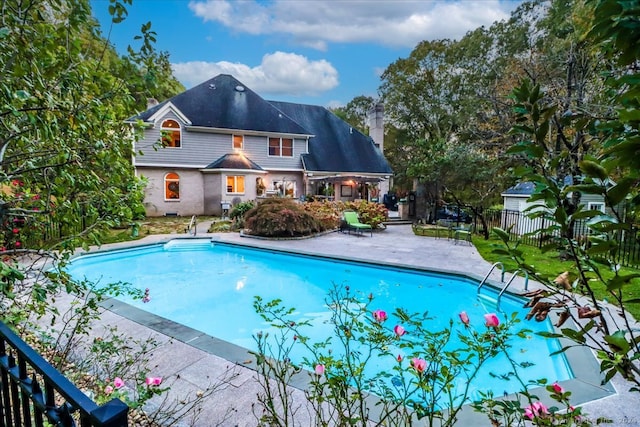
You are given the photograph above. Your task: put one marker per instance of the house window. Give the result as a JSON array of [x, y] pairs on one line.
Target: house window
[[596, 206], [172, 186], [238, 142], [171, 134], [235, 184], [285, 188], [281, 147]]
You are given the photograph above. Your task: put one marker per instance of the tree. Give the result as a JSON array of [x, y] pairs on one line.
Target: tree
[[356, 112], [65, 152], [612, 172]]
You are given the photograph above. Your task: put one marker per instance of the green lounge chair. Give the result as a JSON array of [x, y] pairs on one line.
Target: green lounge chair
[[353, 223]]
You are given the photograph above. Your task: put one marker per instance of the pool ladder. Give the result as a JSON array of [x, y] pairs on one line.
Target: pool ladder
[[192, 228], [504, 288]]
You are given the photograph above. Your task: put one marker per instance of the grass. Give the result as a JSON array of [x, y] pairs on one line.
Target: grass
[[163, 225], [549, 265]]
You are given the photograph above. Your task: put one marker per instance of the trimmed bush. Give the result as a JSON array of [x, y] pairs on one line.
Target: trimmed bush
[[238, 211], [280, 218], [327, 213], [373, 214]]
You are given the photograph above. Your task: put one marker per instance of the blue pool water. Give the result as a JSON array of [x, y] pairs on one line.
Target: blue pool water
[[211, 287]]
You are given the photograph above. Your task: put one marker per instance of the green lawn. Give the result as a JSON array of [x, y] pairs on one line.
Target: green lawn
[[549, 265]]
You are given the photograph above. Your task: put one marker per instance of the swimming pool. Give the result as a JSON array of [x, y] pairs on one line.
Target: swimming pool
[[210, 287]]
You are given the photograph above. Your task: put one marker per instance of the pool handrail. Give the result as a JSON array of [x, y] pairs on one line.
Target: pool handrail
[[193, 224], [486, 277], [504, 288]]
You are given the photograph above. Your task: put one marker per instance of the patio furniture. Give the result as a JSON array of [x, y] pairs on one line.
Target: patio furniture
[[353, 223], [462, 232]]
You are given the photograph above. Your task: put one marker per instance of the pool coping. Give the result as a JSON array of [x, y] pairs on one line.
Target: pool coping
[[586, 386]]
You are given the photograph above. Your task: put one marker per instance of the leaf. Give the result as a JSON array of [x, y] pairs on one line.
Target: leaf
[[593, 169], [618, 342], [620, 190]]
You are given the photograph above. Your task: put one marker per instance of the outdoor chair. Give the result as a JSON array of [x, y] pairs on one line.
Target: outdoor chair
[[353, 223], [444, 226], [463, 232]]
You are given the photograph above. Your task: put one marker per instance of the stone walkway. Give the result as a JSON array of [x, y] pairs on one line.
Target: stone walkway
[[185, 360]]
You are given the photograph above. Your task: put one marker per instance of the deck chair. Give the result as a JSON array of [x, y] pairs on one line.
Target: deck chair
[[353, 223], [463, 232]]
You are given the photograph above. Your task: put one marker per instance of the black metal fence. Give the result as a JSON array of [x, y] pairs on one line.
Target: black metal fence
[[520, 226], [32, 391]]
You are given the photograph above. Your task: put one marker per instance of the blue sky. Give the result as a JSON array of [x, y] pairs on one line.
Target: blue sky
[[321, 52]]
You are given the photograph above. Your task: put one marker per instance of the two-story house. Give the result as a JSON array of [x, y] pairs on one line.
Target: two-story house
[[220, 142]]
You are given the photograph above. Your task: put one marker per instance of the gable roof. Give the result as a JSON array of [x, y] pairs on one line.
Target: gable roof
[[223, 102], [234, 161], [335, 146]]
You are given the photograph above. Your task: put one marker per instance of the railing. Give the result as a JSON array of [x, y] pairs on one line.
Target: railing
[[504, 288], [192, 228], [486, 277], [31, 390]]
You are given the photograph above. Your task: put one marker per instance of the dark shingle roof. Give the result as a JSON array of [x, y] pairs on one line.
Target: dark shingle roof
[[225, 103], [234, 161], [335, 146]]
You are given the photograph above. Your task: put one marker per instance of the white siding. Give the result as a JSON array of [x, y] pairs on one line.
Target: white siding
[[198, 149]]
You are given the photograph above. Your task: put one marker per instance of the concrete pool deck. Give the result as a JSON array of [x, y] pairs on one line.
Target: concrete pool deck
[[191, 361]]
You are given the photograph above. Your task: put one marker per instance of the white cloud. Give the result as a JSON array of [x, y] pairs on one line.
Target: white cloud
[[279, 73], [388, 22]]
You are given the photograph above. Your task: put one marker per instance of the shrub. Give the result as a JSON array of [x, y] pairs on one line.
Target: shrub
[[280, 218], [373, 214], [238, 212], [327, 213]]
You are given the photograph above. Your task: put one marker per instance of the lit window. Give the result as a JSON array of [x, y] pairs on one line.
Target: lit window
[[235, 184], [285, 188], [238, 142], [172, 186], [281, 147], [171, 134]]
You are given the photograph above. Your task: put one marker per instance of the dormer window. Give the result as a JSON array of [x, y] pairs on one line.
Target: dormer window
[[238, 142], [171, 134]]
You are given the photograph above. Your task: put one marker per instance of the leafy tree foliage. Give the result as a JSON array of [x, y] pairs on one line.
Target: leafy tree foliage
[[609, 169], [356, 112], [452, 94], [65, 151]]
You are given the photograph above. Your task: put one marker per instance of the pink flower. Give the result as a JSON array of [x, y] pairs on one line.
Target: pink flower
[[380, 316], [319, 370], [154, 380], [18, 244], [15, 231], [491, 320], [118, 383], [535, 410], [557, 388], [399, 330], [464, 317], [108, 390], [419, 364]]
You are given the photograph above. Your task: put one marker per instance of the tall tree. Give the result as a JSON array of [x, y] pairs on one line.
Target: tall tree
[[65, 151]]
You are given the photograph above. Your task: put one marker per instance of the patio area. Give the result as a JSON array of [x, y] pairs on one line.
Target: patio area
[[191, 362]]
